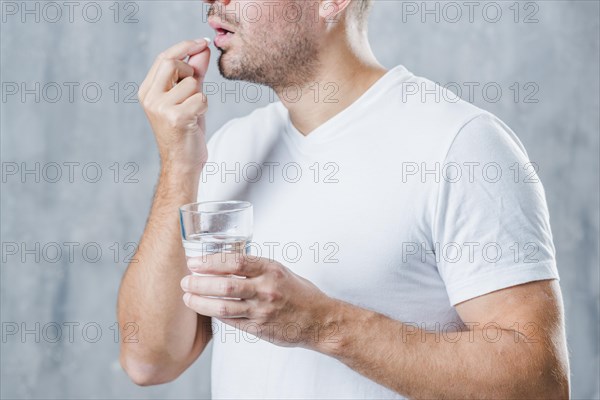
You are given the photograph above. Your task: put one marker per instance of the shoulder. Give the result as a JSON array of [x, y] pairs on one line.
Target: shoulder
[[488, 138], [439, 120], [433, 105]]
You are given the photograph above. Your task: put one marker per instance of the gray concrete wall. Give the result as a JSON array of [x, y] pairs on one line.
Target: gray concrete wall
[[553, 62]]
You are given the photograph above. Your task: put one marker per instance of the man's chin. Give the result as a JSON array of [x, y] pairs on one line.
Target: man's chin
[[232, 69], [225, 66]]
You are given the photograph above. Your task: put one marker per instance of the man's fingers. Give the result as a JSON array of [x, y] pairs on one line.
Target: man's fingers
[[181, 92], [199, 62], [219, 286], [219, 308], [196, 104], [178, 52], [226, 264], [169, 73]]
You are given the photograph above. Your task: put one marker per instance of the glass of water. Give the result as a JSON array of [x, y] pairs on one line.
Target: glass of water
[[216, 227]]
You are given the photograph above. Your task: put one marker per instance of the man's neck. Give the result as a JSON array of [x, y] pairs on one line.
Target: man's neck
[[344, 74]]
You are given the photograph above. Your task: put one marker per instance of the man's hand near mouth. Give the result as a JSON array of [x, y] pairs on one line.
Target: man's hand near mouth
[[175, 105]]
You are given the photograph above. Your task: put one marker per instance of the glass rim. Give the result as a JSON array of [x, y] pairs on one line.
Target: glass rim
[[243, 205]]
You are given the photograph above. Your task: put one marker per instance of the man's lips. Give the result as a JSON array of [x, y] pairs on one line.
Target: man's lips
[[220, 27], [224, 32]]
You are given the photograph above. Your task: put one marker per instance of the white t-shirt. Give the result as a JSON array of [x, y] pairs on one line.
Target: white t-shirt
[[406, 202]]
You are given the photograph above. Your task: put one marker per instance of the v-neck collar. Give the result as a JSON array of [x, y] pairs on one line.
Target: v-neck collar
[[335, 127]]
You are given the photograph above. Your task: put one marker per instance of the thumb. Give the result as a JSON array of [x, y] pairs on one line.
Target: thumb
[[199, 62]]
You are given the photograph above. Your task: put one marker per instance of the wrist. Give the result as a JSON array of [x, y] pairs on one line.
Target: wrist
[[345, 329], [332, 328]]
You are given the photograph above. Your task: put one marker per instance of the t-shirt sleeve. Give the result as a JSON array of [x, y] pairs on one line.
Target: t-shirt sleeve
[[491, 226]]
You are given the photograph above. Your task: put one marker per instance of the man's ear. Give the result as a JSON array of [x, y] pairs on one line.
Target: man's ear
[[331, 10]]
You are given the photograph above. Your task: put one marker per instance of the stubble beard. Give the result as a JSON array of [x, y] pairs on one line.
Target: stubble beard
[[277, 61]]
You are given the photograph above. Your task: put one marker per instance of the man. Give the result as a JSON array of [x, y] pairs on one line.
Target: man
[[424, 265]]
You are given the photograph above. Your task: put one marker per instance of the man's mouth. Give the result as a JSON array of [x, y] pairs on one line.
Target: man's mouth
[[224, 32]]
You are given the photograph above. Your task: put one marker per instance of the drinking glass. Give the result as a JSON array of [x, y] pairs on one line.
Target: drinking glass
[[216, 227]]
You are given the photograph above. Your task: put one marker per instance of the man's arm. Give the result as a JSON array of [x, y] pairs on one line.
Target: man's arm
[[521, 354], [169, 336], [515, 346]]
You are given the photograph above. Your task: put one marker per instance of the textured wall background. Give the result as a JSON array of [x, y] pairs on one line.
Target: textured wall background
[[554, 61]]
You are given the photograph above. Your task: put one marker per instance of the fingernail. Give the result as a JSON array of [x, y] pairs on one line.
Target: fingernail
[[185, 283], [207, 40], [186, 298]]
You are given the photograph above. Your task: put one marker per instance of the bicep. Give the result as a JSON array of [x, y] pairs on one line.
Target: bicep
[[531, 317], [533, 309]]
